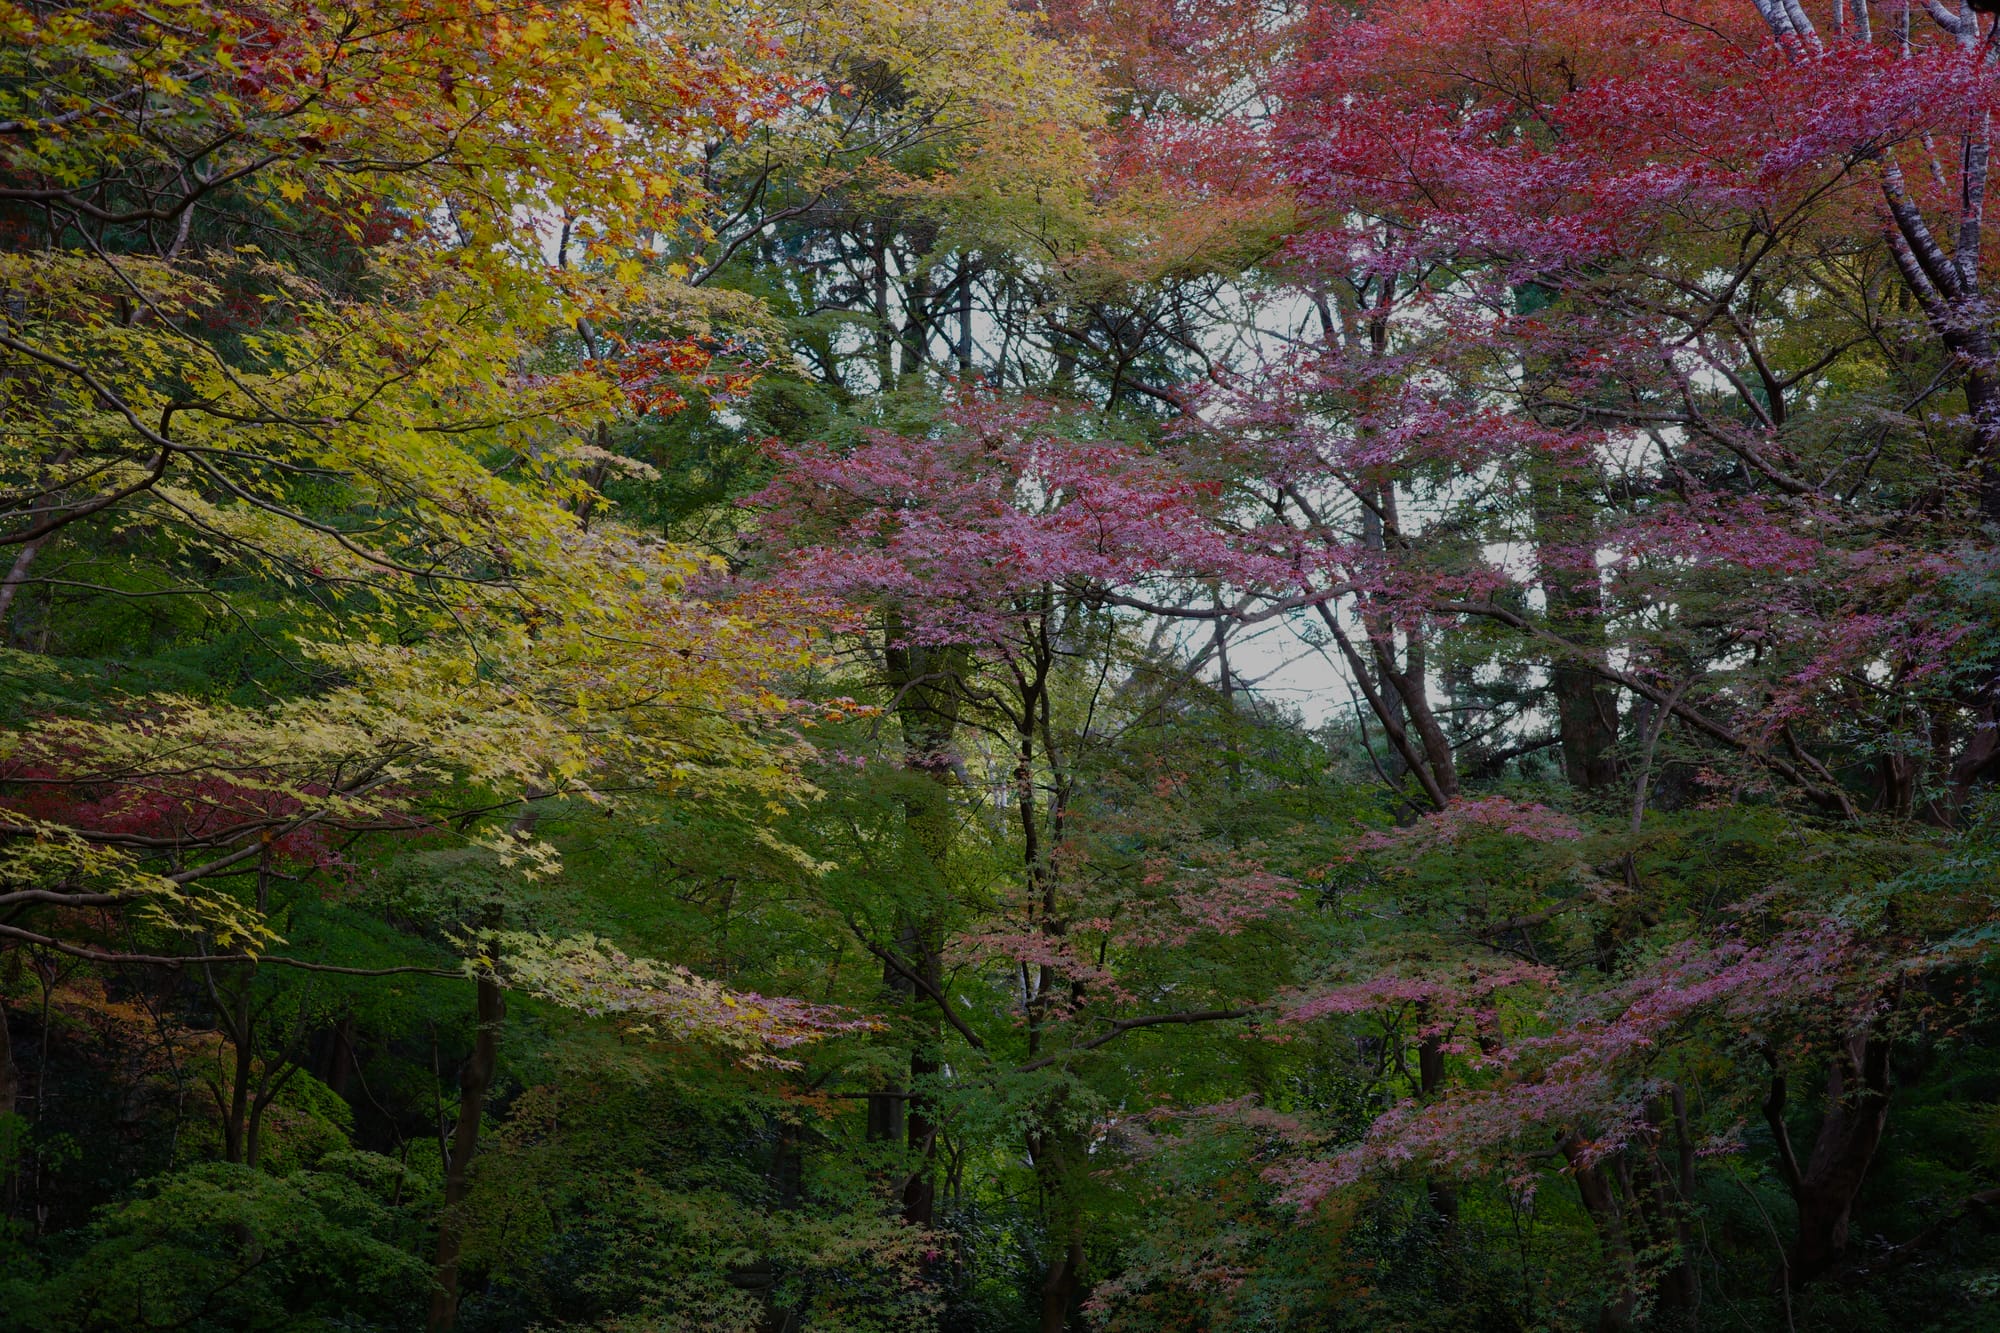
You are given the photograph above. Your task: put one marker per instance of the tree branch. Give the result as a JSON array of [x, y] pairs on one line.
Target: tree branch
[[1124, 1025]]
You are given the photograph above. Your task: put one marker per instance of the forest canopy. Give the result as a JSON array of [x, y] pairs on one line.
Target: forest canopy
[[951, 666]]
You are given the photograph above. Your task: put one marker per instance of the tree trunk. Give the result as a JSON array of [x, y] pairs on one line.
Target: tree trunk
[[1412, 685], [920, 1118], [10, 1074], [474, 1081], [1600, 1201], [1899, 774], [1680, 1287], [17, 570], [1982, 748], [236, 1118], [340, 1057], [1059, 1286], [1857, 1112], [17, 574], [1389, 711], [1430, 1084], [10, 1098], [885, 331], [917, 316], [1563, 502], [920, 1190], [964, 340], [1584, 709], [1404, 689], [885, 1108], [928, 685], [1982, 401], [1566, 553]]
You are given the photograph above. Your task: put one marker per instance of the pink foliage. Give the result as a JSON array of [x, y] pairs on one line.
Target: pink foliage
[[1588, 1077], [1444, 995], [1476, 817], [953, 531], [1646, 115]]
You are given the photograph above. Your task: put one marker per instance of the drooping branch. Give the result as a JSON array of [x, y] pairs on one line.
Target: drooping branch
[[1809, 775], [1774, 1116], [1120, 1027], [922, 983], [95, 955]]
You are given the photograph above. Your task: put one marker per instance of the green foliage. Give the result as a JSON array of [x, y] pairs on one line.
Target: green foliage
[[220, 1249], [439, 847]]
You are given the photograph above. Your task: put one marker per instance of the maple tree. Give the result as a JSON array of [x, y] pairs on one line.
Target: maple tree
[[1117, 664], [1629, 359], [289, 299]]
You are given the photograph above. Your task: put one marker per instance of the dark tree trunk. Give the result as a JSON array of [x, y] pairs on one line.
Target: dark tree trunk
[[1607, 1218], [1857, 1112], [474, 1081], [236, 1117], [1982, 401], [964, 340], [1405, 688], [1982, 748], [17, 574], [1584, 717], [1566, 552], [885, 1107], [1055, 1153], [1059, 1286], [10, 1098], [1430, 1084], [928, 683], [921, 1131], [1389, 710], [1680, 1286], [10, 1074], [885, 331], [1412, 686], [917, 316], [340, 1056], [920, 1191], [1899, 774]]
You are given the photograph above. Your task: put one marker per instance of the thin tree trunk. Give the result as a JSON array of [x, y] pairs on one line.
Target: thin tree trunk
[[1430, 1085], [475, 1080], [17, 574], [917, 313], [1412, 687], [1389, 712], [1982, 748], [242, 1036], [885, 1108], [10, 1097], [1982, 401], [10, 1073], [964, 348], [885, 332], [1410, 683], [277, 1073]]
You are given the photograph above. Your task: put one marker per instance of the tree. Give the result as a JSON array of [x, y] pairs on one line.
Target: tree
[[292, 299], [991, 544], [1128, 665]]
